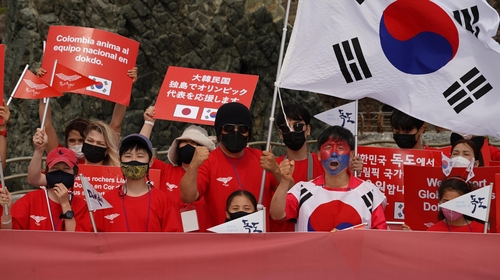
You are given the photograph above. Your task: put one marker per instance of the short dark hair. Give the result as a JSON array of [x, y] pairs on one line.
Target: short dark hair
[[336, 133], [293, 111], [131, 145], [477, 153], [78, 124], [455, 183], [405, 122], [247, 194]]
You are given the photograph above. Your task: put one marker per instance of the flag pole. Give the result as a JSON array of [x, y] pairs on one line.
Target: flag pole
[[356, 132], [87, 198], [273, 105], [487, 222], [5, 206], [48, 207], [17, 85], [47, 104]]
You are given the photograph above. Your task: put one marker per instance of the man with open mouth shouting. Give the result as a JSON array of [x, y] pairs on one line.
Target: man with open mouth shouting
[[335, 200]]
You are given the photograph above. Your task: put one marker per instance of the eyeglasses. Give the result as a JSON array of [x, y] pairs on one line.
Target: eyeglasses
[[241, 128], [297, 127]]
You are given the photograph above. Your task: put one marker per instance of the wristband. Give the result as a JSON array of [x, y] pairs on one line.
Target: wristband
[[4, 133], [8, 222], [150, 123]]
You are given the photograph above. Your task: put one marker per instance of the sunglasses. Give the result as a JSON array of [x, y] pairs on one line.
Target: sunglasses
[[297, 127], [241, 128]]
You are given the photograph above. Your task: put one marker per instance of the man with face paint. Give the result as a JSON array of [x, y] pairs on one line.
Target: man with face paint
[[180, 155], [407, 130], [333, 201], [231, 166], [137, 206], [64, 212], [294, 130]]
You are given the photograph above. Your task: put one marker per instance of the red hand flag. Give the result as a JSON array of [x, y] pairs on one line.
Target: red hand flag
[[32, 87], [67, 80]]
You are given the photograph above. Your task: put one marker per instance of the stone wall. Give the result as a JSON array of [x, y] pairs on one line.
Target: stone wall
[[240, 36]]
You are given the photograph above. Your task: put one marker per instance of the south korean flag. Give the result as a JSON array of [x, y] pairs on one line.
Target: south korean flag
[[103, 87]]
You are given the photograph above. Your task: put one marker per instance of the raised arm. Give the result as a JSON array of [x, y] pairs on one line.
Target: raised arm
[[35, 176], [189, 182], [149, 122], [278, 202], [4, 118], [119, 110]]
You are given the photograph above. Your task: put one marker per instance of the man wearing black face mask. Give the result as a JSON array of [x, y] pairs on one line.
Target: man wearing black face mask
[[53, 208], [231, 166], [407, 130], [180, 155]]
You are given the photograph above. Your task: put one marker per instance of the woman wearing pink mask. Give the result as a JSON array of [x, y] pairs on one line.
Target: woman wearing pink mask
[[449, 220]]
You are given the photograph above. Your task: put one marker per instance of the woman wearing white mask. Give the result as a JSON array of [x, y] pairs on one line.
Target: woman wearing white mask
[[463, 151]]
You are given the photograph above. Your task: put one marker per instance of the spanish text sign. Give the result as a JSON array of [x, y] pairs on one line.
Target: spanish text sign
[[102, 56], [421, 193], [106, 178], [194, 95], [384, 168]]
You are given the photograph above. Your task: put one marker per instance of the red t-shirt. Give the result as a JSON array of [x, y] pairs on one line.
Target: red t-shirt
[[220, 175], [31, 212], [170, 178], [442, 226], [299, 175], [134, 211]]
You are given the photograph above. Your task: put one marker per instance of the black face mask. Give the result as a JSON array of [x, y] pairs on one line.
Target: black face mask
[[405, 141], [59, 176], [234, 142], [93, 154], [237, 215], [294, 140], [185, 154]]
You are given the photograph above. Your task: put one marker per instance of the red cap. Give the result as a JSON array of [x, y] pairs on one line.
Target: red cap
[[60, 154]]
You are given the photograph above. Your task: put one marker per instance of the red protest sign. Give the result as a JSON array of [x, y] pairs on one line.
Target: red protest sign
[[384, 168], [194, 95], [421, 193], [100, 55], [106, 178], [32, 87], [66, 79]]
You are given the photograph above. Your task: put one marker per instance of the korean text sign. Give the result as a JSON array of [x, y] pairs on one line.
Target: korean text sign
[[384, 168], [102, 56], [194, 95]]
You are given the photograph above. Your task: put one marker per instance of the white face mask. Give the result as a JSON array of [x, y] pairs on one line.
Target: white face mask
[[78, 150], [459, 162]]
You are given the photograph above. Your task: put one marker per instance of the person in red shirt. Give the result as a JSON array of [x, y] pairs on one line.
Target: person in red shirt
[[180, 155], [53, 208], [450, 220], [333, 201], [137, 206], [4, 119], [231, 166]]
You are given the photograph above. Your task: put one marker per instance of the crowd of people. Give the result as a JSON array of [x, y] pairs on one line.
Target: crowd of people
[[303, 190]]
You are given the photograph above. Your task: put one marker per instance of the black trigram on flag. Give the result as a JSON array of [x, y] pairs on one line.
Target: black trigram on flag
[[360, 1], [468, 18], [465, 91], [304, 196], [368, 199], [351, 60]]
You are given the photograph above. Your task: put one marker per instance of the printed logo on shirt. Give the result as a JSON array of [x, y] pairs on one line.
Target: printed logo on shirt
[[429, 224], [171, 187], [224, 180], [38, 219], [111, 217]]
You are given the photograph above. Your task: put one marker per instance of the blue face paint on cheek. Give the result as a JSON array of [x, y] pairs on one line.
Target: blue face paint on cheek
[[343, 161]]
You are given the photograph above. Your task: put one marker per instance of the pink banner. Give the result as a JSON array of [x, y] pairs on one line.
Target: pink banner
[[384, 168], [354, 254]]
